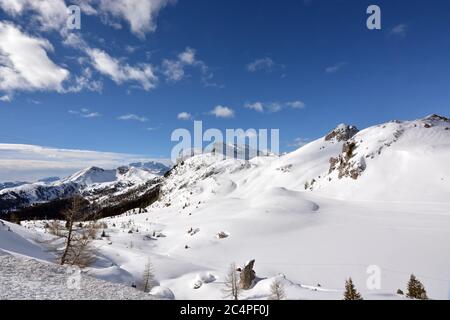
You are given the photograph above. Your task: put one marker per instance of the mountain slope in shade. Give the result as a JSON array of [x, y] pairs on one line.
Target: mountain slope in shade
[[91, 182], [8, 185]]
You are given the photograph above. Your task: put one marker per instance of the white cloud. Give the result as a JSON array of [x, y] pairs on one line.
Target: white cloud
[[174, 70], [272, 107], [296, 104], [85, 113], [132, 117], [53, 14], [399, 30], [121, 72], [140, 14], [257, 106], [222, 112], [47, 14], [30, 163], [188, 56], [184, 116], [335, 68], [24, 63], [5, 98], [263, 64], [131, 49]]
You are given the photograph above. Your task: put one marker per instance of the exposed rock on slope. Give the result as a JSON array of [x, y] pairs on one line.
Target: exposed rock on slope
[[342, 132]]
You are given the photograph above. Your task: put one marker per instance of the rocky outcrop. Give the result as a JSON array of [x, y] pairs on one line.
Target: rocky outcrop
[[436, 117], [342, 132], [248, 275], [345, 164]]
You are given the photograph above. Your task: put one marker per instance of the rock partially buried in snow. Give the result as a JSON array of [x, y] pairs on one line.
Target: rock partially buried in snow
[[202, 278], [162, 293], [248, 275]]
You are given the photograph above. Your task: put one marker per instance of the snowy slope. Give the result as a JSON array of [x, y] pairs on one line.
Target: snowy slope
[[319, 236], [24, 279], [22, 242], [398, 161], [299, 215]]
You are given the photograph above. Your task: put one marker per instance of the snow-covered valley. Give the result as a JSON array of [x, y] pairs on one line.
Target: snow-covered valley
[[331, 210]]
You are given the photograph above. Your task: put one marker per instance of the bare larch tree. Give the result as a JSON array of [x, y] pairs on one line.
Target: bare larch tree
[[78, 239], [232, 289]]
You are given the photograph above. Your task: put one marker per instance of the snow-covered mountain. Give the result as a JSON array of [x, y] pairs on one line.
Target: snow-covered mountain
[[233, 151], [312, 218], [327, 211], [93, 183], [8, 185], [154, 167]]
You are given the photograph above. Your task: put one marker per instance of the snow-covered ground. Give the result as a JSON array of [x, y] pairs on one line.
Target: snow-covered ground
[[306, 219], [25, 279]]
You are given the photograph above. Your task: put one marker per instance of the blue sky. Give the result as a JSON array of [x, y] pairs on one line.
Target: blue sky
[[122, 82]]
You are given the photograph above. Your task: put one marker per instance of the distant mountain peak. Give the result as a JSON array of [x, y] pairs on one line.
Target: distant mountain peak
[[154, 167], [436, 117]]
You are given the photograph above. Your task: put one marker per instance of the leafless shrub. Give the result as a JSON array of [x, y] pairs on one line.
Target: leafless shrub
[[232, 289]]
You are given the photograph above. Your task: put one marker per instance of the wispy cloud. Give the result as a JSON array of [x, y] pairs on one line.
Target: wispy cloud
[[399, 30], [85, 113], [175, 69], [262, 64], [30, 162], [6, 98], [184, 116], [296, 104], [256, 106], [132, 117], [272, 107], [222, 112], [335, 68], [143, 74]]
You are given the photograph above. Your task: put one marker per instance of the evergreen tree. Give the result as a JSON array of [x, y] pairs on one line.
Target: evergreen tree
[[416, 290], [350, 291]]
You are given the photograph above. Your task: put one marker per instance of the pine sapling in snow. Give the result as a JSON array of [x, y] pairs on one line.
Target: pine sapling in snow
[[416, 290], [350, 291]]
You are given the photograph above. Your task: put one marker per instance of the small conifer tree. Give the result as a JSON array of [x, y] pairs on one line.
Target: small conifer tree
[[416, 290], [350, 291]]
